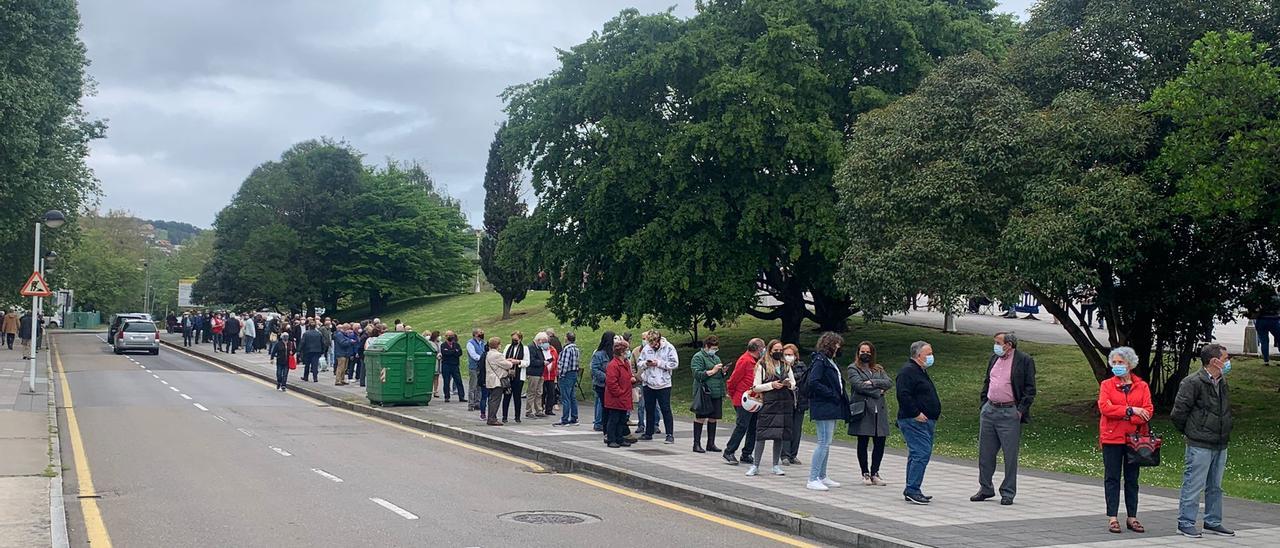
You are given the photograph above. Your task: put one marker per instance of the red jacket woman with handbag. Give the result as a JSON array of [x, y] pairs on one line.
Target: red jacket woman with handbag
[[1124, 403]]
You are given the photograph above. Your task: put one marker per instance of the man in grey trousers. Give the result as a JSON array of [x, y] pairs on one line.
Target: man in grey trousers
[[1007, 393]]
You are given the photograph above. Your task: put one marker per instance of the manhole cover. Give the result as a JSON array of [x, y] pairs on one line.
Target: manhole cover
[[544, 517]]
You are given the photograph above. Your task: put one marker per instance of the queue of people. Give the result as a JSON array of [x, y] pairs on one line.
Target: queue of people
[[771, 389]]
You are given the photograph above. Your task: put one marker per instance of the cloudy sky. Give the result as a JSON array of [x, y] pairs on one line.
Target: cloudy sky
[[197, 93]]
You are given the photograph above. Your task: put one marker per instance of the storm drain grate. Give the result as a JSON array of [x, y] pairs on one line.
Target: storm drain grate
[[544, 517]]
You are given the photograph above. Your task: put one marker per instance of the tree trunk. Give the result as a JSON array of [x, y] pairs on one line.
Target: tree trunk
[[377, 303], [831, 313], [1091, 353], [506, 307]]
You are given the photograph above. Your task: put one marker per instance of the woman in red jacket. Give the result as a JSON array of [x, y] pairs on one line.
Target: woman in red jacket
[[1124, 401], [617, 396]]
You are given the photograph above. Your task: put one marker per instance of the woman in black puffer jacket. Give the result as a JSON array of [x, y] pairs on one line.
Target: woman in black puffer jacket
[[775, 385]]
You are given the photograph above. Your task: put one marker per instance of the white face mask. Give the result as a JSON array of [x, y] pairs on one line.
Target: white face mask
[[712, 351], [789, 359]]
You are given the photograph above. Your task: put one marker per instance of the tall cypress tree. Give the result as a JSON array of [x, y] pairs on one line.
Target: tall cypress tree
[[501, 204]]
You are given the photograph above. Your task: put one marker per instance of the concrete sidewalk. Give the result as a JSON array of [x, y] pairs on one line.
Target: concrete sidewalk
[[1051, 509], [29, 470]]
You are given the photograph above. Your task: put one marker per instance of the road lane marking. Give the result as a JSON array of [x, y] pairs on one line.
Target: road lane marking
[[94, 529], [401, 511], [532, 466], [166, 383], [776, 537], [201, 407], [282, 452], [174, 389], [220, 418], [155, 375], [245, 432], [184, 396], [327, 475]]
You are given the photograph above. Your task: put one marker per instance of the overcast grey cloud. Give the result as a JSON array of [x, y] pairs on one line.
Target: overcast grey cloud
[[197, 93]]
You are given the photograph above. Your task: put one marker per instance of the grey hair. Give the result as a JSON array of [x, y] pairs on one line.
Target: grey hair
[[1125, 353], [1010, 338], [917, 347], [755, 345], [1211, 351]]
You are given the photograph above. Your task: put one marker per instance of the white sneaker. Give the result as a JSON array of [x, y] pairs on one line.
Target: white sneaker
[[753, 470], [829, 483], [816, 485], [777, 471]]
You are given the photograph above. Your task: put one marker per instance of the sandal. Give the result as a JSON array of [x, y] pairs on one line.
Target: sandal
[[1114, 527], [1134, 525]]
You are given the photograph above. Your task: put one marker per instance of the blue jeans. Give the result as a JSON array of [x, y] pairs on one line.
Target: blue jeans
[[1203, 473], [1267, 328], [599, 409], [818, 463], [919, 438], [568, 403]]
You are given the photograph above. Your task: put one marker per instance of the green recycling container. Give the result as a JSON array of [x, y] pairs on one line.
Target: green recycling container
[[400, 368]]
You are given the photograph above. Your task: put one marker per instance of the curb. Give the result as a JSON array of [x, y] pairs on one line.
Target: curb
[[58, 537], [811, 528]]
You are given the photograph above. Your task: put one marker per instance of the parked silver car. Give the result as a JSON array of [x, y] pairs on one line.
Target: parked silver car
[[137, 335]]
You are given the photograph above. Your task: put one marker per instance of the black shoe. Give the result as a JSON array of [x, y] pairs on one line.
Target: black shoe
[[728, 458], [981, 497], [646, 437], [614, 445], [1219, 530], [714, 449], [626, 443], [927, 497], [697, 448], [461, 400], [916, 499], [746, 459], [1006, 501]]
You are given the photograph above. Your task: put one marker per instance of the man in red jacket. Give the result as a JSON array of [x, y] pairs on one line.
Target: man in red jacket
[[740, 381]]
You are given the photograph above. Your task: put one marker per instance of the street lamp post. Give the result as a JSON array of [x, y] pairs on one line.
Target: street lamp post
[[53, 219], [146, 287]]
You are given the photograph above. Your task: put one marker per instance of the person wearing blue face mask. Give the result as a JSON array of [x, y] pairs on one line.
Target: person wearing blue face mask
[[1006, 397], [918, 411], [1124, 409], [541, 356], [1202, 413]]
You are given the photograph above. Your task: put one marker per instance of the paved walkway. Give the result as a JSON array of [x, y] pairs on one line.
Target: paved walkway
[[1044, 330], [1051, 509], [24, 453]]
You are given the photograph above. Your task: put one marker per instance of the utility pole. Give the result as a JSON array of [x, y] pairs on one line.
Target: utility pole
[[478, 261]]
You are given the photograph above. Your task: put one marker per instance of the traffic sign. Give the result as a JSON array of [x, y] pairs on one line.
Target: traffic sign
[[36, 287]]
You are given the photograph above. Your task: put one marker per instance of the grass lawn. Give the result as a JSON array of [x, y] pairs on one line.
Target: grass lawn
[[1062, 436]]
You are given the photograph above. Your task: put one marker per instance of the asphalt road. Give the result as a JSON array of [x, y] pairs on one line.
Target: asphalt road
[[263, 468]]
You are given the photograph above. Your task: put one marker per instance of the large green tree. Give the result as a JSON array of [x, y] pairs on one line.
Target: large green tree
[[1051, 174], [502, 205], [105, 266], [44, 132], [319, 228], [684, 167]]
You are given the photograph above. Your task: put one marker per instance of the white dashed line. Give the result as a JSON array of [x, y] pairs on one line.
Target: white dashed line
[[245, 432], [185, 397], [201, 407], [327, 475], [220, 418], [401, 511], [155, 375], [174, 389], [282, 452], [166, 383]]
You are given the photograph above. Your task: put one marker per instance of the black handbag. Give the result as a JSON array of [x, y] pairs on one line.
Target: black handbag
[[1143, 449], [703, 403]]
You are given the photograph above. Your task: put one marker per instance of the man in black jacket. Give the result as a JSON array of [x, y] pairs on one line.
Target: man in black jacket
[[231, 333], [918, 412], [1202, 412], [1005, 405], [311, 348]]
